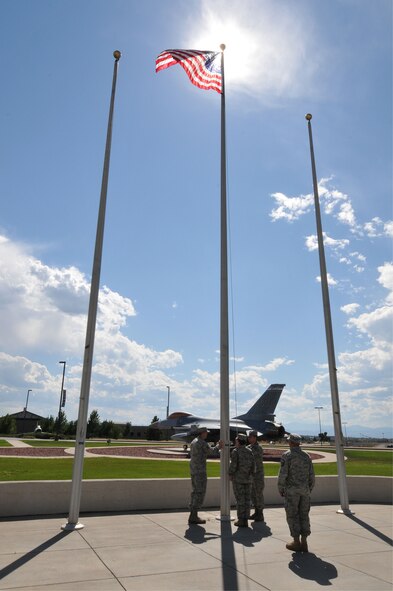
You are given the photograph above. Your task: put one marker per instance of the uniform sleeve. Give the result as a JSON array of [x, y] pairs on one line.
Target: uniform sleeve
[[234, 462], [311, 477], [282, 476], [213, 451]]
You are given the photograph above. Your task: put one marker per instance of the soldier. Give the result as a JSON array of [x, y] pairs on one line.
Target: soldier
[[199, 451], [241, 470], [295, 482], [258, 479]]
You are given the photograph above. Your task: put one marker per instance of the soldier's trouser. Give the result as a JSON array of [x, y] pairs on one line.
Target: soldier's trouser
[[198, 490], [258, 484], [297, 508], [243, 498]]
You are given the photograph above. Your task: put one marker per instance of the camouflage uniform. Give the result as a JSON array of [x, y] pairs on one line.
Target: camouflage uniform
[[258, 479], [296, 481], [242, 468], [199, 451]]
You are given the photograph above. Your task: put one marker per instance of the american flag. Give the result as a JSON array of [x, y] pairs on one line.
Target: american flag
[[202, 67]]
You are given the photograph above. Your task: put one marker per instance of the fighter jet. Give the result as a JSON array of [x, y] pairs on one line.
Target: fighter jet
[[260, 417]]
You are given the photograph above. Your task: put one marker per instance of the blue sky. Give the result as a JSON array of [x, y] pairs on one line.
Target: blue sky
[[158, 321]]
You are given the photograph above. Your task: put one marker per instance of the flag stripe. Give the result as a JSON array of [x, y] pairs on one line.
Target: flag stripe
[[203, 68]]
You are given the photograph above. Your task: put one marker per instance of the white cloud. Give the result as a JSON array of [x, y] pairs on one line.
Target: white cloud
[[376, 227], [331, 280], [333, 202], [290, 208], [350, 308], [333, 243]]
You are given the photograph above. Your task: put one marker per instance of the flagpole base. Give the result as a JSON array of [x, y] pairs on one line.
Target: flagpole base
[[224, 518], [72, 526], [345, 512]]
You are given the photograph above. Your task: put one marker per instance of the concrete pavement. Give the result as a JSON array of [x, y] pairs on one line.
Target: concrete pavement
[[158, 550]]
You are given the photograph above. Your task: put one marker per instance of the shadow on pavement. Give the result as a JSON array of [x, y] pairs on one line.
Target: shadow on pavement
[[7, 570], [198, 535], [249, 536], [229, 573], [371, 529], [309, 566]]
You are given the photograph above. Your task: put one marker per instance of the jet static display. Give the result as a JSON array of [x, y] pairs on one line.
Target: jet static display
[[260, 417]]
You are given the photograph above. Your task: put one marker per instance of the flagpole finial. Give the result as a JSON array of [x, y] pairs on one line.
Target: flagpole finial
[[308, 116], [117, 55], [222, 46]]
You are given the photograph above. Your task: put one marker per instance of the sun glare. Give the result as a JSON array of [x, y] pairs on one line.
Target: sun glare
[[240, 44]]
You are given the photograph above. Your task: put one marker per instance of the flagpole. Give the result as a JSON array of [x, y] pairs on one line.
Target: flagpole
[[76, 487], [224, 340], [339, 440]]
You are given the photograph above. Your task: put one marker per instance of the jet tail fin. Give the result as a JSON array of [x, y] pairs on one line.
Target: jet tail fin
[[265, 406]]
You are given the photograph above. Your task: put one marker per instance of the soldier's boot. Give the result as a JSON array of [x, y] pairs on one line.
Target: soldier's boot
[[253, 516], [194, 519], [241, 522], [295, 545], [258, 515], [303, 544]]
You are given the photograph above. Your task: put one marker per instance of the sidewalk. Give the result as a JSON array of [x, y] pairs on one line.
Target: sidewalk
[[15, 442], [160, 551]]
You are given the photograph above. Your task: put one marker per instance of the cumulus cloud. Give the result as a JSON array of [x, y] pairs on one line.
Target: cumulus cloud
[[333, 243], [364, 375], [376, 227], [350, 308], [331, 280], [333, 202]]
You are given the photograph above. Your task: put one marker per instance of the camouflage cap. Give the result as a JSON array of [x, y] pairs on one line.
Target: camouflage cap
[[202, 430], [252, 433], [242, 438], [294, 437]]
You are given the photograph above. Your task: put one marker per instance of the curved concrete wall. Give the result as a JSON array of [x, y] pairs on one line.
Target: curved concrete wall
[[49, 497]]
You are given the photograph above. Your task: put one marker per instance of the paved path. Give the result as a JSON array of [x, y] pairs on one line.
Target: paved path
[[16, 442], [159, 551]]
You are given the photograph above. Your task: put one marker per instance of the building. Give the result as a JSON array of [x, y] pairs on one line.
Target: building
[[26, 421]]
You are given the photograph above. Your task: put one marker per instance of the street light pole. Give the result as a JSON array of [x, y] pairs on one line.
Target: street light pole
[[27, 400], [167, 408], [61, 396], [319, 408], [346, 436], [25, 409]]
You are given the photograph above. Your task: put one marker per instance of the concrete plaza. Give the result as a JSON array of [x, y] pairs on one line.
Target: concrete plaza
[[159, 551]]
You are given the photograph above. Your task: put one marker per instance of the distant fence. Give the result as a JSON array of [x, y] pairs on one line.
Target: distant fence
[[50, 497]]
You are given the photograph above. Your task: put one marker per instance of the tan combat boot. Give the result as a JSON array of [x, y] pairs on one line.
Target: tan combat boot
[[295, 545], [303, 544]]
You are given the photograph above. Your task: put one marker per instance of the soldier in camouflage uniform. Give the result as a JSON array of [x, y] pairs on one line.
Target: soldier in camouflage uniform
[[241, 470], [258, 479], [295, 482], [199, 451]]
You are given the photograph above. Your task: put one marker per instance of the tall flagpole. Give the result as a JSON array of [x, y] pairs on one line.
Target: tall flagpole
[[76, 488], [224, 340], [339, 440]]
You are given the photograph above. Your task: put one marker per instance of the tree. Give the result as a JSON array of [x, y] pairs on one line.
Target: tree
[[94, 424], [61, 422], [47, 425], [7, 425], [127, 430], [154, 419], [71, 428]]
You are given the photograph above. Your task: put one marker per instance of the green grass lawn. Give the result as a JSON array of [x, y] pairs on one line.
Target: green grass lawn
[[64, 444], [4, 443], [370, 463]]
